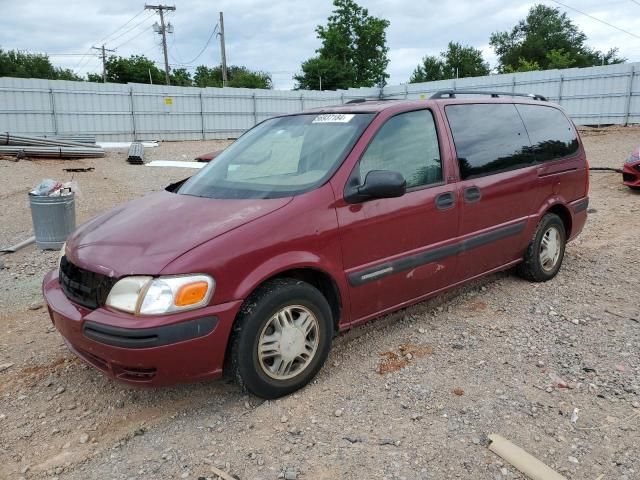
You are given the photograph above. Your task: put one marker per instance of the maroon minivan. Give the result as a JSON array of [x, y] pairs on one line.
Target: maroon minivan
[[312, 223]]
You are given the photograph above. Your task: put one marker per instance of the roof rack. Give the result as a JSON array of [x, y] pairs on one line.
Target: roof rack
[[453, 93], [364, 99]]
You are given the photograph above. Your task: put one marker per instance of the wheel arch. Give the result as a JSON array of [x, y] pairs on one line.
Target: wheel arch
[[312, 275], [320, 280], [564, 213]]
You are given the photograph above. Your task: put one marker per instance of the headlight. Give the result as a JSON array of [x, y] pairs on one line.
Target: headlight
[[142, 295]]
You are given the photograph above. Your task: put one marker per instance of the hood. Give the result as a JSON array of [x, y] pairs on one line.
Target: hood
[[146, 234]]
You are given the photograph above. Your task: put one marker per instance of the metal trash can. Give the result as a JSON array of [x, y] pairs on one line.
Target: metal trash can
[[54, 218]]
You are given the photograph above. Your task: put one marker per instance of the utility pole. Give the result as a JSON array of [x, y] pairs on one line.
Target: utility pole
[[103, 53], [162, 29], [223, 53]]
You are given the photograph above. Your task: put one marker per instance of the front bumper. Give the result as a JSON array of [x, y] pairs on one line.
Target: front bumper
[[153, 351], [631, 174]]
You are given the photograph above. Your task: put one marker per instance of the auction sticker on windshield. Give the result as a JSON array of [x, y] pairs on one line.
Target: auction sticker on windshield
[[333, 118]]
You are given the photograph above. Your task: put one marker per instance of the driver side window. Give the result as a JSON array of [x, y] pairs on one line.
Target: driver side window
[[406, 143]]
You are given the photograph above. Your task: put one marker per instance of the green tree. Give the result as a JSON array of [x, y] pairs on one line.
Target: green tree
[[181, 78], [457, 61], [135, 69], [94, 77], [523, 66], [353, 52], [548, 38], [14, 63], [238, 77], [431, 68]]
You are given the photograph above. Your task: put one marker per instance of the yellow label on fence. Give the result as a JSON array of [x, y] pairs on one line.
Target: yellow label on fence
[[168, 101]]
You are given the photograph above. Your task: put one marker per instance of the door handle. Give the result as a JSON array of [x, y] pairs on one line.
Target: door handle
[[445, 201], [472, 194]]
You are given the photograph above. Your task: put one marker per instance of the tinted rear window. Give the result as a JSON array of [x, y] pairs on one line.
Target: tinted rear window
[[551, 134], [489, 138]]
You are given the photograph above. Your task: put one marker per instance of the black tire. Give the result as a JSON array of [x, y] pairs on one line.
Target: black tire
[[532, 268], [271, 297]]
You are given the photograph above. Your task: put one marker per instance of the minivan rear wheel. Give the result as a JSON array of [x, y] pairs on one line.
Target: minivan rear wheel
[[281, 338], [545, 253]]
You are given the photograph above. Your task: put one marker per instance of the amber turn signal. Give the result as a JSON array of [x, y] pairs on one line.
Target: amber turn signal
[[191, 294]]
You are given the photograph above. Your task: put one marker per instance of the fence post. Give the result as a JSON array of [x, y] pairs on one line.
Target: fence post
[[342, 98], [302, 102], [204, 137], [513, 84], [53, 110], [560, 89], [627, 111], [133, 114], [255, 109]]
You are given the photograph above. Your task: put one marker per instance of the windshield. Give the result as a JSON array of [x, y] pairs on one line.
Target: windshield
[[280, 157]]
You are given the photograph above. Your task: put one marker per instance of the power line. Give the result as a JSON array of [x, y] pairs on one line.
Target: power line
[[83, 61], [130, 39], [132, 28], [59, 54], [636, 2], [122, 26], [597, 19], [213, 32]]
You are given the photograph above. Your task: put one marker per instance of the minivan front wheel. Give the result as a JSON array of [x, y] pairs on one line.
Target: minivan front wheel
[[545, 253], [281, 338]]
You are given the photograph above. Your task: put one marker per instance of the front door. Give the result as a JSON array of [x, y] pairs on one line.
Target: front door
[[396, 250]]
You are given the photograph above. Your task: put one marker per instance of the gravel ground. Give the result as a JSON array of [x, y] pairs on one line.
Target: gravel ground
[[410, 396]]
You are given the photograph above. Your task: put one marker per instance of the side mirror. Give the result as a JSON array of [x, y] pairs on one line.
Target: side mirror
[[378, 184]]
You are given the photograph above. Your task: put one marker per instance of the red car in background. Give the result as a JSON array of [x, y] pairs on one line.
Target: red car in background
[[631, 170]]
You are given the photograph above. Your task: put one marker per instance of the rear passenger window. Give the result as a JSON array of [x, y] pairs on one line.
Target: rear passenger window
[[408, 144], [551, 134], [489, 138]]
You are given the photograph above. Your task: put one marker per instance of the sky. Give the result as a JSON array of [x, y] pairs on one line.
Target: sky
[[276, 36]]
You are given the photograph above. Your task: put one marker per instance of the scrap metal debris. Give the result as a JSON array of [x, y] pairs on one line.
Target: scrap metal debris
[[116, 145], [88, 169], [136, 154], [175, 163], [26, 146], [18, 246]]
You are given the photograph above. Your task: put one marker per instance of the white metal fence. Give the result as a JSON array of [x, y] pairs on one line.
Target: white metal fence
[[117, 112]]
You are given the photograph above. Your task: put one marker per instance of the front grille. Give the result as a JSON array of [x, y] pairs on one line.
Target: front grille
[[628, 177], [84, 287]]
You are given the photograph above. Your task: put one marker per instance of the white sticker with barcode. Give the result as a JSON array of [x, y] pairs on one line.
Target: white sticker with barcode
[[333, 118]]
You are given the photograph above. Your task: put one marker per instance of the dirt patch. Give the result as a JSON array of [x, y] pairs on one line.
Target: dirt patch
[[478, 306], [392, 362]]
